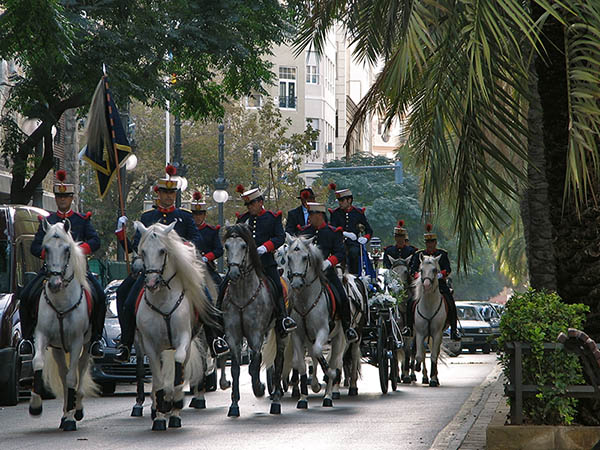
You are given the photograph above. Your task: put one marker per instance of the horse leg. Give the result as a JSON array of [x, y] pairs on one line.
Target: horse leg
[[224, 384], [71, 383], [159, 422], [83, 366], [336, 362], [276, 379], [254, 369], [138, 408], [236, 358], [35, 403], [199, 386], [425, 374], [314, 381], [317, 352], [61, 364], [433, 357], [420, 356], [181, 357], [299, 365], [354, 369]]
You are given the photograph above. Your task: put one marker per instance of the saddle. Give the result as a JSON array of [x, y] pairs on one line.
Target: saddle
[[333, 299], [271, 288]]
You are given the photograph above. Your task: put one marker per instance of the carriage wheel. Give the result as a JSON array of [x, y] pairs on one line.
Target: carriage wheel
[[382, 359], [394, 373]]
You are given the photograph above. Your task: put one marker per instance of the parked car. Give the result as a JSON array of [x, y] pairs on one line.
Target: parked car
[[491, 316], [108, 371], [18, 225], [453, 348], [475, 331]]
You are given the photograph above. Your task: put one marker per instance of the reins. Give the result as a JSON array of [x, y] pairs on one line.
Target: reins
[[60, 315], [434, 314], [160, 272], [65, 281]]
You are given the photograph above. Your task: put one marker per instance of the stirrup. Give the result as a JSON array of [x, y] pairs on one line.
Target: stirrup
[[97, 349], [351, 335], [406, 331], [26, 348], [288, 324], [123, 353], [220, 346]]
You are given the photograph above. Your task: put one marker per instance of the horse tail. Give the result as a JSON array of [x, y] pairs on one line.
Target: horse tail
[[53, 380], [198, 362], [269, 349], [201, 297], [288, 359]]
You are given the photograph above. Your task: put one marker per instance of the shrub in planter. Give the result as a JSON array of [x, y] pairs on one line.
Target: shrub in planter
[[536, 317]]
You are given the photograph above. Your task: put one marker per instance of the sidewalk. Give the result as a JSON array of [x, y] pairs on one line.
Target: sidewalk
[[467, 431]]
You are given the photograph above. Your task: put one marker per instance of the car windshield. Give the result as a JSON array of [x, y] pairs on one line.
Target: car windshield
[[468, 313]]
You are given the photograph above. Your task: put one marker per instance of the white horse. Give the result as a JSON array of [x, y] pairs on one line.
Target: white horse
[[430, 316], [357, 298], [175, 293], [309, 297], [63, 331]]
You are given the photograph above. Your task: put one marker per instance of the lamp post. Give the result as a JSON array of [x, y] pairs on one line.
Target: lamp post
[[255, 165], [220, 195], [178, 158]]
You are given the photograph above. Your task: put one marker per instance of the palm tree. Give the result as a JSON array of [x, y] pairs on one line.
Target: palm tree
[[502, 100]]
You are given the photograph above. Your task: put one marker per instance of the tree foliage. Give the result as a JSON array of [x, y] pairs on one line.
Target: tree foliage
[[214, 48]]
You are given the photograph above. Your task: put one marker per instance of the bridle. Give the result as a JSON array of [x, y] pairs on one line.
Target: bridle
[[302, 275], [65, 281], [245, 269], [160, 272]]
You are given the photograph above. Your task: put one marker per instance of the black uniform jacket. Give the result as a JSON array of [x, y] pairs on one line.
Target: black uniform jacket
[[395, 252], [349, 220], [82, 231], [444, 261], [295, 218], [267, 230], [329, 240], [211, 243], [185, 226]]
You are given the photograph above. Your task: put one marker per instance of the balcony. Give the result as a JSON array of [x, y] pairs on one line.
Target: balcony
[[288, 102]]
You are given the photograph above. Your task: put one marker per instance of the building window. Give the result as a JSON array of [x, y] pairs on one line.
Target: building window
[[312, 74], [287, 87], [254, 101], [314, 123]]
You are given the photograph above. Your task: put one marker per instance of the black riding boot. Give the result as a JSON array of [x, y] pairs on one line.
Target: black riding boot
[[452, 317], [214, 337], [410, 318], [28, 306], [127, 320], [97, 317], [344, 306], [284, 323]]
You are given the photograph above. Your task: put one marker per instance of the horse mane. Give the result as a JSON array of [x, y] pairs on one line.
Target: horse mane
[[242, 230], [315, 256], [78, 260], [189, 270]]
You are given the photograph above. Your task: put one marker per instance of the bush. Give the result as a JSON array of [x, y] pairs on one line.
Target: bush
[[536, 317]]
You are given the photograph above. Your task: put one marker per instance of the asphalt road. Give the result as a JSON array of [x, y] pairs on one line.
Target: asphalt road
[[407, 419]]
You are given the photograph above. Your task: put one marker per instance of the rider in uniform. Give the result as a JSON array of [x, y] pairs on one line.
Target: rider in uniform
[[83, 232], [330, 242], [445, 270], [211, 243], [350, 218], [401, 250], [165, 213], [268, 235], [299, 216]]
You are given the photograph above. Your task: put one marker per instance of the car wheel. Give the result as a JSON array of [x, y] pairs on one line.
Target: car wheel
[[9, 393], [486, 349], [472, 350], [108, 388]]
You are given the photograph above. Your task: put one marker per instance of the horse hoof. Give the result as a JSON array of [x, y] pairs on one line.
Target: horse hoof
[[413, 377], [198, 403], [78, 414], [174, 422], [275, 408], [417, 369], [406, 380], [70, 425], [335, 396], [259, 390], [153, 413], [425, 380], [234, 411], [346, 383], [62, 423], [35, 411], [316, 388], [302, 404], [295, 392], [159, 425], [353, 391], [327, 402], [434, 383], [225, 385], [137, 411]]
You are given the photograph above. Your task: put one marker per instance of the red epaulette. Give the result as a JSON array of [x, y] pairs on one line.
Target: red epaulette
[[305, 227], [336, 230], [237, 214], [360, 210], [217, 227], [275, 214], [86, 216], [40, 217], [331, 210], [299, 227]]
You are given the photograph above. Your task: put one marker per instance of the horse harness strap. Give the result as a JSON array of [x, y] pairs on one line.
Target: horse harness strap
[[60, 315], [250, 300], [303, 315], [430, 318], [166, 317], [160, 273]]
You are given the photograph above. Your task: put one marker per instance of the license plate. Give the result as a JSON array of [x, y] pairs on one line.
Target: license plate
[[133, 359], [464, 339]]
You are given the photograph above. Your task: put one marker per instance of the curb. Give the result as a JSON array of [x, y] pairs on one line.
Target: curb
[[454, 434]]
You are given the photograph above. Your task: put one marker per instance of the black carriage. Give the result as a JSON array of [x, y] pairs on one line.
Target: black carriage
[[382, 338]]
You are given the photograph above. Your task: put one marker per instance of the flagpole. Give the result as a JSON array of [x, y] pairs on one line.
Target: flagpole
[[118, 170]]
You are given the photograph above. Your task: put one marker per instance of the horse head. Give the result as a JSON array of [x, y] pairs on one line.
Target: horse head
[[57, 245], [241, 251], [430, 268], [153, 252], [300, 261], [400, 268]]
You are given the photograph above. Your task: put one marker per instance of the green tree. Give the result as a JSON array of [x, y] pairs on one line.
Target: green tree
[[214, 48], [243, 127]]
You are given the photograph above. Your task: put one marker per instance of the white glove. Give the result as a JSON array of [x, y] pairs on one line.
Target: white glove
[[440, 275], [205, 259], [261, 250], [362, 240], [121, 223], [349, 235], [326, 265]]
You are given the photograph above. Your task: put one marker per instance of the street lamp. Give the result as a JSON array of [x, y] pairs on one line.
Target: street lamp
[[220, 195]]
